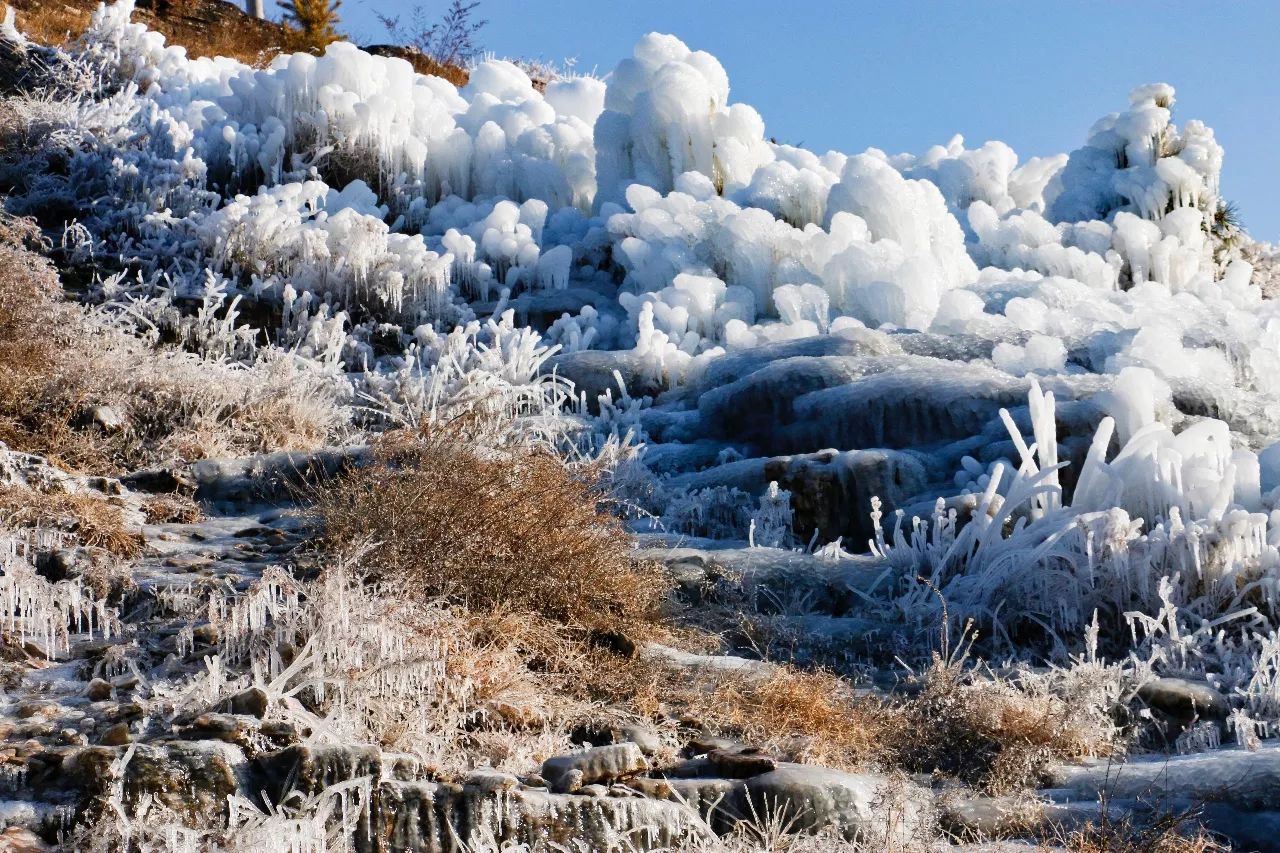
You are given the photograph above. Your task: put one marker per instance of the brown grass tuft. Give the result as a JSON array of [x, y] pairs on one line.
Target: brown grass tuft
[[811, 717], [513, 530], [171, 509], [93, 520], [793, 715], [992, 734]]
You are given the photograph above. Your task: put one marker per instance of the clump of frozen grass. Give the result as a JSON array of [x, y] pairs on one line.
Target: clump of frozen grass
[[58, 362], [489, 374], [349, 660], [1027, 560], [770, 525], [718, 512]]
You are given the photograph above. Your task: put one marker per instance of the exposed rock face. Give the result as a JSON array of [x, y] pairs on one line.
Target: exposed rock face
[[831, 491], [425, 817], [193, 779]]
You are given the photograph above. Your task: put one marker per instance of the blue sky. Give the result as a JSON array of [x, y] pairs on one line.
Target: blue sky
[[902, 76]]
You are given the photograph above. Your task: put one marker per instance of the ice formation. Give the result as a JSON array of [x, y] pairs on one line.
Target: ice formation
[[630, 265]]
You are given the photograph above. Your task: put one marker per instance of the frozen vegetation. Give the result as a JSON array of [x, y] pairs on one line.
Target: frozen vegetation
[[924, 410]]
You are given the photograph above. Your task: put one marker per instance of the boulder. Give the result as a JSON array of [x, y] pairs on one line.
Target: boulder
[[253, 702], [569, 773], [855, 805], [1185, 699], [741, 763], [161, 481], [105, 419], [866, 807], [1247, 780], [117, 735], [592, 373]]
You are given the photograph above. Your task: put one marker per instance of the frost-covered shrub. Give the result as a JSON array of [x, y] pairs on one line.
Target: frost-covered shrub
[[719, 512], [311, 238], [999, 733], [486, 375], [1140, 161]]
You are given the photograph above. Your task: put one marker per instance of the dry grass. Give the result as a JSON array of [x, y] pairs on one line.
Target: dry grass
[[812, 717], [512, 531], [992, 734], [232, 34], [93, 520], [228, 32], [52, 22], [1167, 833], [171, 509], [792, 715], [56, 363]]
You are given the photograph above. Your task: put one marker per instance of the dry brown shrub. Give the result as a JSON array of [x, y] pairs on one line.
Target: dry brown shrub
[[171, 509], [512, 530], [794, 715], [92, 519], [992, 734], [812, 717]]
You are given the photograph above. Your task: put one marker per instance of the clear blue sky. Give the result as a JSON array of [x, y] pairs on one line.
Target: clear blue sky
[[904, 75]]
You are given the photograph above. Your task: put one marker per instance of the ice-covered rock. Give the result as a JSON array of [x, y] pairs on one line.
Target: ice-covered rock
[[1248, 780], [568, 773]]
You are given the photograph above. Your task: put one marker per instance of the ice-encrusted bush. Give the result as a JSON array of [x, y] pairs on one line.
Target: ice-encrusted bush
[[488, 375], [1034, 557], [368, 665]]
